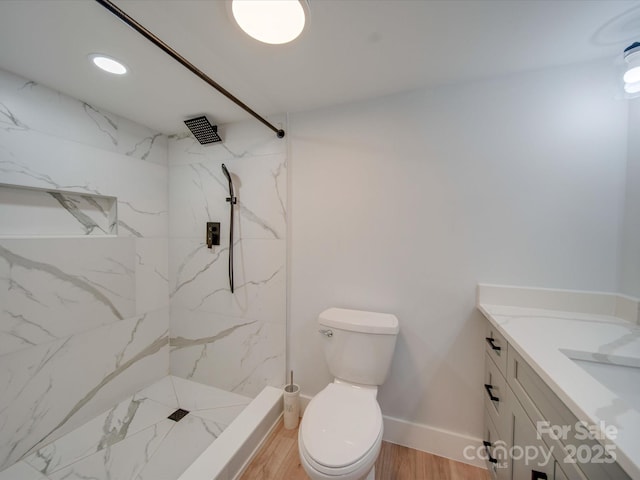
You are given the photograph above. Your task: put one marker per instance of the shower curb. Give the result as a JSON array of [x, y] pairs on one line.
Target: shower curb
[[228, 455]]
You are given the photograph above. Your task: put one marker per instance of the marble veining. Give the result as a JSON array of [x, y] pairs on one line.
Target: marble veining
[[39, 108], [9, 121], [152, 274], [51, 388], [250, 216], [278, 177], [103, 122], [235, 353], [201, 189], [84, 304], [192, 277], [77, 168], [134, 440], [130, 229], [199, 281], [16, 260], [203, 176], [14, 167], [51, 326], [144, 147], [249, 283], [232, 341], [181, 342], [71, 205], [609, 349], [66, 278]]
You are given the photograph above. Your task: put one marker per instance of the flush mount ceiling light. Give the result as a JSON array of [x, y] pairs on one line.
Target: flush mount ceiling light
[[271, 21], [108, 64], [632, 74]]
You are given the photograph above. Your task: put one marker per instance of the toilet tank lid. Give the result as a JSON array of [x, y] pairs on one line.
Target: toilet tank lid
[[360, 321]]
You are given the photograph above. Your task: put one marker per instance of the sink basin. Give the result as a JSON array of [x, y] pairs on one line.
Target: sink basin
[[621, 375]]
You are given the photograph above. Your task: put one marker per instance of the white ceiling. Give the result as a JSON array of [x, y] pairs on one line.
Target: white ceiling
[[351, 50]]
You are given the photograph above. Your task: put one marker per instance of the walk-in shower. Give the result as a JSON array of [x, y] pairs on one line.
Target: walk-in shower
[[113, 313]]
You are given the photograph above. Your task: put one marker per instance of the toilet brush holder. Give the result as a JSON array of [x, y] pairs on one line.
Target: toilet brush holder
[[291, 406]]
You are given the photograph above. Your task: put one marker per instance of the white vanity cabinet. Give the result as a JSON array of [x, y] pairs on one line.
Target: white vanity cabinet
[[529, 433]]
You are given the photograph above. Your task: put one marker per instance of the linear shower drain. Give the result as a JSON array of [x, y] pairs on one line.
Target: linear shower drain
[[178, 415]]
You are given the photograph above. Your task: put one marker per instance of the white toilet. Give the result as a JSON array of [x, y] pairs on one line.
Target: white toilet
[[341, 431]]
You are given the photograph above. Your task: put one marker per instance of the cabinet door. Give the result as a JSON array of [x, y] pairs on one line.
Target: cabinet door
[[579, 458], [531, 459]]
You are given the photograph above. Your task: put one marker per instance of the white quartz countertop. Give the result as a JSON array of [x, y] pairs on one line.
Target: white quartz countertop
[[548, 339]]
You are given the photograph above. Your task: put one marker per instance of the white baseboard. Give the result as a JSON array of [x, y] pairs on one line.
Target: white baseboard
[[437, 441]]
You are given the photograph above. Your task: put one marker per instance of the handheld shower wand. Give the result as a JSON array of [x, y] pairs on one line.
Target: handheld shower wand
[[232, 201]]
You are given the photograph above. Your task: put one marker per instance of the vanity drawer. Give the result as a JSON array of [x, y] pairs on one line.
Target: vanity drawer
[[496, 347], [558, 427], [496, 451], [495, 399]]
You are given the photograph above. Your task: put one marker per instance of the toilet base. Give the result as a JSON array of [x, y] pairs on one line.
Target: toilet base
[[316, 475], [372, 474]]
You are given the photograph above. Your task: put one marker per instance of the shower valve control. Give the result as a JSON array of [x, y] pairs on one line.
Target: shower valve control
[[213, 234]]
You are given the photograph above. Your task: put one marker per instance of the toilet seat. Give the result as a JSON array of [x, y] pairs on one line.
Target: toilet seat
[[354, 471], [341, 430]]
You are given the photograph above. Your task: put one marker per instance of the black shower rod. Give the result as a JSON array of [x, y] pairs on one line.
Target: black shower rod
[[118, 12]]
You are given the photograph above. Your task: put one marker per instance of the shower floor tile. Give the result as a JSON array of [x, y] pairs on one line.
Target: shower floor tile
[[134, 440]]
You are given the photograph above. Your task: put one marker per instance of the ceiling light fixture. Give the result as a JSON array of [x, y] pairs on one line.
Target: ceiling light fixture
[[271, 21], [108, 64], [632, 74]]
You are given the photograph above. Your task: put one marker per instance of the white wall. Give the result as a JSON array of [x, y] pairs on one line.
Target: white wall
[[83, 320], [630, 251], [403, 204]]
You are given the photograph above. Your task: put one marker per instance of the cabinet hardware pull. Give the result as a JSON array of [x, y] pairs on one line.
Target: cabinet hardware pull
[[535, 475], [492, 397], [487, 445], [493, 345]]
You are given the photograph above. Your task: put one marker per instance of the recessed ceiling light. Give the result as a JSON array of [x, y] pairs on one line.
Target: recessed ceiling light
[[271, 21], [631, 76], [108, 64], [632, 88]]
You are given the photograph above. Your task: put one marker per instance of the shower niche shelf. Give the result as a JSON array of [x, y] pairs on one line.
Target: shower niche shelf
[[30, 211]]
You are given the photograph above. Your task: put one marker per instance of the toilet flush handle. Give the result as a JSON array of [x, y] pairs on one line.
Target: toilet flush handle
[[326, 333]]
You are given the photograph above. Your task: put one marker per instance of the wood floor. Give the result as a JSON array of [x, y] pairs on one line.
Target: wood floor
[[278, 460]]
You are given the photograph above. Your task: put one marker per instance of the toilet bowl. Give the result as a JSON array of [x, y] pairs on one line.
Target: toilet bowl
[[341, 433]]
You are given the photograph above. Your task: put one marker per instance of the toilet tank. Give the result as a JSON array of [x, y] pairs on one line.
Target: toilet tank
[[358, 345]]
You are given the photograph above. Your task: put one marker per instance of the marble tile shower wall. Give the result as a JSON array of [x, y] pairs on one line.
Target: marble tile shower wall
[[231, 341], [83, 321]]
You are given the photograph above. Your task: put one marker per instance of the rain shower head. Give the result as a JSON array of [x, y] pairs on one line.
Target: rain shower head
[[204, 132]]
